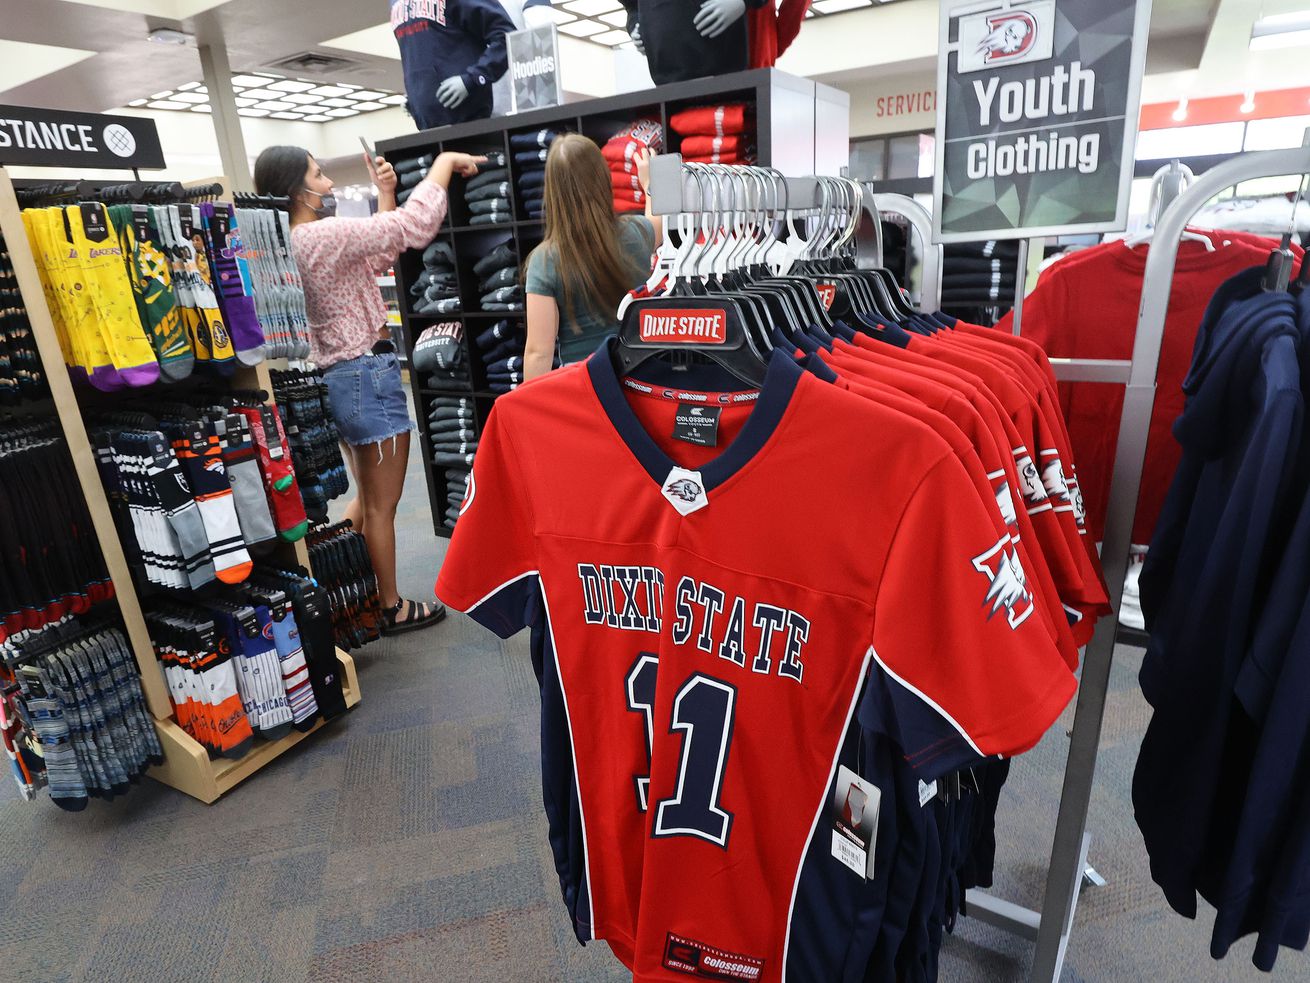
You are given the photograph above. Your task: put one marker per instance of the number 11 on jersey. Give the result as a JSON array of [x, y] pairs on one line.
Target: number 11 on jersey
[[703, 711]]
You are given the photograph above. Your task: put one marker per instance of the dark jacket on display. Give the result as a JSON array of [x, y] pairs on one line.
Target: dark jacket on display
[[441, 38], [1205, 576]]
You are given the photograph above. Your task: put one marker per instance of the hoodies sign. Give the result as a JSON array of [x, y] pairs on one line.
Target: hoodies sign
[[534, 68], [1036, 125]]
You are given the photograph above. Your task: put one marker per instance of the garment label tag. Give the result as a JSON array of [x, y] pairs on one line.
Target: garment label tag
[[708, 962], [95, 224], [685, 491], [927, 792], [854, 818], [184, 221], [697, 424], [141, 223]]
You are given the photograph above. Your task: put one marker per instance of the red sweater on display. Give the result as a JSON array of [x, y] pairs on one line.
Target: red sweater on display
[[1086, 307]]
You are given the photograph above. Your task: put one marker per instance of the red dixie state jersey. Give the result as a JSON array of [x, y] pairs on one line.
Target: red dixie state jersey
[[709, 633]]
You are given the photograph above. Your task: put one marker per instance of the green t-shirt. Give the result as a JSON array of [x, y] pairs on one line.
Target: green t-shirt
[[581, 331]]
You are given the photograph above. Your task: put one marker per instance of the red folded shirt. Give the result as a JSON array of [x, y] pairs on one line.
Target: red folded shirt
[[636, 196], [711, 120], [648, 131], [625, 180], [621, 149], [701, 146]]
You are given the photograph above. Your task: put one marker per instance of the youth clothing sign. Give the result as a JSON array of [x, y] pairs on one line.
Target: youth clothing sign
[[1036, 128]]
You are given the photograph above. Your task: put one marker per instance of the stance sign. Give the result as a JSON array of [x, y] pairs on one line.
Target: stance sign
[[54, 138], [1035, 131]]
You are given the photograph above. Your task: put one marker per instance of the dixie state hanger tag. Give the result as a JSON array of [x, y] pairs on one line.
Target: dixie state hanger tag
[[678, 326]]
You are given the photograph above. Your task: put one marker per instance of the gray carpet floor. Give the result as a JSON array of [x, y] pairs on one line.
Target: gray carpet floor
[[406, 842]]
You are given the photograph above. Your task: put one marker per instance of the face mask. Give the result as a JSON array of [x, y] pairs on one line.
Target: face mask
[[327, 204]]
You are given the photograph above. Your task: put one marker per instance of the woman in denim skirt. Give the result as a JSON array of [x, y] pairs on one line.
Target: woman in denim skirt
[[340, 260]]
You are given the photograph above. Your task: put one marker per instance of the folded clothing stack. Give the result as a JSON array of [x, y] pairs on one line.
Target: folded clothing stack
[[409, 172], [498, 278], [979, 275], [487, 193], [439, 357], [501, 349], [530, 151], [723, 134], [436, 292], [619, 152], [453, 436]]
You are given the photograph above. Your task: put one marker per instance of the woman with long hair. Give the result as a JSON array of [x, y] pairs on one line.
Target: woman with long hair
[[340, 260], [587, 261]]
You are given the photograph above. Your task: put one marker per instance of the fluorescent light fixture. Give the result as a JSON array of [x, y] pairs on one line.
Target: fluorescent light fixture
[[188, 86], [167, 104], [366, 94], [138, 102], [206, 108], [329, 90], [336, 103], [302, 98], [162, 95], [582, 28], [396, 100], [591, 8], [318, 118], [612, 38], [1281, 31], [556, 14], [254, 113], [368, 107], [248, 81], [286, 115], [276, 105], [837, 6], [342, 113], [244, 103], [291, 85], [191, 97], [615, 18]]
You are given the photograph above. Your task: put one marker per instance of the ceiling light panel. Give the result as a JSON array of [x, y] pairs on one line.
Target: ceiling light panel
[[259, 94], [591, 8], [583, 28], [612, 38]]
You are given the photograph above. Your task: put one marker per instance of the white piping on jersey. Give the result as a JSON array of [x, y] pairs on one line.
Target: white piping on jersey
[[932, 703], [496, 590], [573, 752], [823, 801]]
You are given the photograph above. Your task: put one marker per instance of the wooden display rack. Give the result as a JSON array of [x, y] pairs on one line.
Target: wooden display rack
[[187, 766]]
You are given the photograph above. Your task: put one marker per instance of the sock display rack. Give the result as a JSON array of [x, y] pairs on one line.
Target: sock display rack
[[798, 126], [187, 766]]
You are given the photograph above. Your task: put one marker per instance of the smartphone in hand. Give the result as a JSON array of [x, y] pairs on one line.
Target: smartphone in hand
[[369, 155]]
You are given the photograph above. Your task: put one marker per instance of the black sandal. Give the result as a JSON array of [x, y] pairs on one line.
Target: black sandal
[[417, 615]]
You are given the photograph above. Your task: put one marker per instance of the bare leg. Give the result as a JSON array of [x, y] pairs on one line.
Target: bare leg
[[381, 473], [355, 510]]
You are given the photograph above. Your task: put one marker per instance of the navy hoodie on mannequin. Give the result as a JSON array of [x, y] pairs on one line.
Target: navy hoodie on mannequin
[[1223, 519], [442, 38]]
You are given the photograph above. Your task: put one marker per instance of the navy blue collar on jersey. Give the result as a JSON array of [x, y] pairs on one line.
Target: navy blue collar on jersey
[[775, 396]]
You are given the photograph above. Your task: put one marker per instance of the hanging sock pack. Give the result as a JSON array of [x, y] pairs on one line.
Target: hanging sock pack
[[218, 225]]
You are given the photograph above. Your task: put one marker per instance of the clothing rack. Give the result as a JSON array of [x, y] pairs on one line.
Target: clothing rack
[[919, 219], [246, 199], [1050, 926], [187, 765], [132, 192]]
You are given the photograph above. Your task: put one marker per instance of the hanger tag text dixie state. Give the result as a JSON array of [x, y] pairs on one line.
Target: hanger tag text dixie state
[[677, 326]]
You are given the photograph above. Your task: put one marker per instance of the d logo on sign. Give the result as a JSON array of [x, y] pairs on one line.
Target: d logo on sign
[[1011, 35], [670, 326]]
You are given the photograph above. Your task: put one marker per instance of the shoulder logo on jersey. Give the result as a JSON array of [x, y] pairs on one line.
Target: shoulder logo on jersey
[[470, 490], [1034, 492], [1007, 585], [1005, 502], [1053, 480]]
